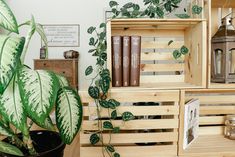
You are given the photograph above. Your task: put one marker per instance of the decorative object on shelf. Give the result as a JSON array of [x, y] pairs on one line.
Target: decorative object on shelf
[[28, 96], [229, 131], [223, 53], [43, 52], [71, 54]]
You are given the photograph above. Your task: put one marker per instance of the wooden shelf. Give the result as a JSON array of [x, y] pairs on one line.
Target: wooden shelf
[[210, 146], [222, 85], [223, 4]]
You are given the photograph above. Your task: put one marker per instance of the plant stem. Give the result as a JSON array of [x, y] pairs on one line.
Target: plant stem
[[28, 141]]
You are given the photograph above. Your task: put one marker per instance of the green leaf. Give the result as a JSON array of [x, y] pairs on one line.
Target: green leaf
[[128, 5], [107, 125], [113, 103], [48, 125], [146, 2], [167, 6], [110, 148], [10, 149], [89, 70], [94, 138], [196, 9], [105, 73], [184, 50], [10, 52], [91, 50], [116, 130], [113, 3], [4, 130], [103, 25], [69, 114], [159, 12], [182, 16], [62, 80], [38, 89], [104, 103], [114, 114], [11, 106], [170, 42], [91, 29], [94, 92], [7, 18], [116, 155], [92, 41], [176, 1], [127, 116], [104, 84], [136, 7], [176, 54], [104, 56]]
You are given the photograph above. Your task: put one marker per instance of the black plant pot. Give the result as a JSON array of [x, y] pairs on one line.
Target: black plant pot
[[46, 143]]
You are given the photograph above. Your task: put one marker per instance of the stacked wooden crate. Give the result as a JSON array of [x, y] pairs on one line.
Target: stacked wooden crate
[[170, 83]]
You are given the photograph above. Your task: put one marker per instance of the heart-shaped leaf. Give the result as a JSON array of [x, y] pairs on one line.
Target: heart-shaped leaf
[[196, 9], [68, 113], [38, 90], [114, 114], [10, 149], [91, 30], [7, 18], [10, 52], [94, 138], [107, 125], [110, 148], [176, 54], [104, 103], [89, 70], [127, 116], [112, 4], [94, 92], [184, 50], [116, 155]]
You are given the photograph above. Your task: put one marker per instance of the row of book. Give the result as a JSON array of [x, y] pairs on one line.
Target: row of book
[[126, 51]]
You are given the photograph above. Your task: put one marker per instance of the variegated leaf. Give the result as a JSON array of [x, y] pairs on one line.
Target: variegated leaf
[[10, 51], [7, 18], [11, 107], [4, 130], [68, 113], [63, 81], [47, 124], [10, 149], [38, 90]]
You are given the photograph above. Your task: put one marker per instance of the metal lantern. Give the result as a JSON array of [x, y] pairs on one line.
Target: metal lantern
[[223, 53]]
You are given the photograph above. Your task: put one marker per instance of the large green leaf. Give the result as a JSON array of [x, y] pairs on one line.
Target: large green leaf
[[9, 149], [11, 106], [68, 113], [7, 18], [62, 80], [4, 130], [38, 91], [48, 125], [10, 51]]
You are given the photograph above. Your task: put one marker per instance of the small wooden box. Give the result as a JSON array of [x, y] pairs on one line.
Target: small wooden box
[[219, 9], [214, 106], [66, 67], [159, 70], [164, 130]]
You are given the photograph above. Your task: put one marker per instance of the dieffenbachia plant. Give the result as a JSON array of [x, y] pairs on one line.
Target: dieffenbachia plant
[[31, 94]]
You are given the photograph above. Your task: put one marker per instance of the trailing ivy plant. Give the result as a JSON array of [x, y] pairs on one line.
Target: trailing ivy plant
[[179, 52], [99, 88]]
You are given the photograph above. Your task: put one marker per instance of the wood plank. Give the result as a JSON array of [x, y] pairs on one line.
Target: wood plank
[[223, 4], [125, 138], [136, 110], [161, 78], [162, 67], [215, 110], [212, 120], [211, 130], [137, 151], [148, 56], [214, 99], [136, 124], [161, 45]]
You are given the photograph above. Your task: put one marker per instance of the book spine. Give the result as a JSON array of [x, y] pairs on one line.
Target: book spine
[[126, 60], [135, 60], [116, 61]]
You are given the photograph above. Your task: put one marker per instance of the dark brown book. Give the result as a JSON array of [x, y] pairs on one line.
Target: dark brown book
[[126, 60], [116, 61], [135, 60]]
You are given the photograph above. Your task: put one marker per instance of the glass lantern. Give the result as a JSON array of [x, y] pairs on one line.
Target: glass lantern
[[223, 53], [229, 131]]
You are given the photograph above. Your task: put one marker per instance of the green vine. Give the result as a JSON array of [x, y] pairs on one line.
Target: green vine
[[100, 81]]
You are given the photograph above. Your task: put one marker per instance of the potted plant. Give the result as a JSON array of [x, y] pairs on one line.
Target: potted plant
[[28, 96]]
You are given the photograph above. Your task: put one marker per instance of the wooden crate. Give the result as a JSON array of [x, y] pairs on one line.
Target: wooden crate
[[218, 9], [159, 70], [214, 106], [164, 129]]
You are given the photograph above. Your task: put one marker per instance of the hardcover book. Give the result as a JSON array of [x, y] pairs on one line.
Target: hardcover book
[[135, 60], [116, 61], [191, 122], [126, 60]]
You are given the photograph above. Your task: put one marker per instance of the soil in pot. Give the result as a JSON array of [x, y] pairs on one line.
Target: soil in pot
[[46, 143]]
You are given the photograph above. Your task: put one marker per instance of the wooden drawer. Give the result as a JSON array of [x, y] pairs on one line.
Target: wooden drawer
[[65, 67]]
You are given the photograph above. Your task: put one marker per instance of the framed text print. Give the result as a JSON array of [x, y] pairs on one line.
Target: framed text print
[[66, 35]]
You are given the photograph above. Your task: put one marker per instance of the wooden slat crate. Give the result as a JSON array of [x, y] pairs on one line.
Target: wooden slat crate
[[214, 106], [219, 9], [164, 128], [159, 70]]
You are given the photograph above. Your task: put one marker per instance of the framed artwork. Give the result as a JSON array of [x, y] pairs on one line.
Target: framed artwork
[[64, 35]]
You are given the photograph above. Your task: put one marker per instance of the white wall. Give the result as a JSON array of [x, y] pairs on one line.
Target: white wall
[[83, 12]]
